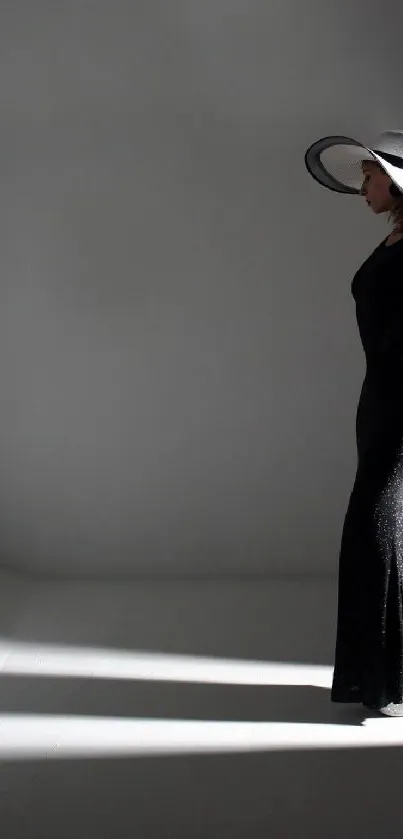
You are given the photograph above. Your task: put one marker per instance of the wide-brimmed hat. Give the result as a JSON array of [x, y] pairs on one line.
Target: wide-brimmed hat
[[335, 162]]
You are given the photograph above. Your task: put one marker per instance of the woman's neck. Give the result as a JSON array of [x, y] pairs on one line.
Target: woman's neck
[[394, 236]]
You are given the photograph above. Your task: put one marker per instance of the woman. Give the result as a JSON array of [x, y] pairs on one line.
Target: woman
[[369, 643]]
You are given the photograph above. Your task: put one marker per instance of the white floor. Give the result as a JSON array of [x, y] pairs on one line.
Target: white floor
[[178, 709]]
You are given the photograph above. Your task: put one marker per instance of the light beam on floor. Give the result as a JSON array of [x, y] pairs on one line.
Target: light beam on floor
[[54, 660], [25, 737], [47, 736]]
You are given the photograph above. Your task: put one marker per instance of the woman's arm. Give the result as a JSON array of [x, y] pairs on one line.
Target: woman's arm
[[391, 337]]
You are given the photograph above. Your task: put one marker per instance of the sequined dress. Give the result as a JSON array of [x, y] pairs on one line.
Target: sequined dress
[[369, 641]]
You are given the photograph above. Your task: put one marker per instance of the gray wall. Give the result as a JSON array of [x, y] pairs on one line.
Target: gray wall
[[178, 351]]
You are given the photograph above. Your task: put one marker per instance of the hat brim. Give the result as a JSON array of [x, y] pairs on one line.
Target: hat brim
[[336, 163]]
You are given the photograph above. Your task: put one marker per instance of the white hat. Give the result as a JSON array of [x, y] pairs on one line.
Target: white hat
[[335, 162]]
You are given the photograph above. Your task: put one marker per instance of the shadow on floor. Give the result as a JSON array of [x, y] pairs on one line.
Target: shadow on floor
[[173, 700]]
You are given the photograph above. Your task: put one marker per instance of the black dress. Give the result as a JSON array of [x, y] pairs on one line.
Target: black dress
[[369, 643]]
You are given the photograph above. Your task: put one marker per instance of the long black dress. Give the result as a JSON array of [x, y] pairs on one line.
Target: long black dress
[[369, 643]]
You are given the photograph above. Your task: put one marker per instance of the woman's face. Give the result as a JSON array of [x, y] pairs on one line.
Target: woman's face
[[375, 187]]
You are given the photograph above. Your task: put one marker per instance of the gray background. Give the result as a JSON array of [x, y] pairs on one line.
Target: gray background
[[179, 358], [180, 368]]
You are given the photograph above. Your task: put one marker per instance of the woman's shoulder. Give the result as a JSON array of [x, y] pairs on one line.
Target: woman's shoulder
[[388, 252], [392, 256], [380, 270]]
